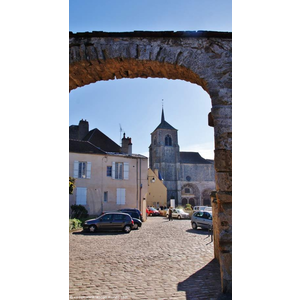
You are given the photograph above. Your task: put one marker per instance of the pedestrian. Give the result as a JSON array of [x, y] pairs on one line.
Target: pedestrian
[[170, 214]]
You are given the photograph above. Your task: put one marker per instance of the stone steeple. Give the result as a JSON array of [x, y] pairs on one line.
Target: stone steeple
[[164, 124]]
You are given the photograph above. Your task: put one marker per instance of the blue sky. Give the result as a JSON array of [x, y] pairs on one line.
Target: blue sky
[[137, 103]]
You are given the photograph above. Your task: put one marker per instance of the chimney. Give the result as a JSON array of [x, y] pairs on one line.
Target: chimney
[[130, 147], [126, 145], [83, 129]]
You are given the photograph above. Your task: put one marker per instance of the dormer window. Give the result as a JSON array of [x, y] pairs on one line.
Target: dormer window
[[168, 141]]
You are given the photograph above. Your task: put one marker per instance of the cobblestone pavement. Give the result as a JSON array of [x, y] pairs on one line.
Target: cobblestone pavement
[[162, 260]]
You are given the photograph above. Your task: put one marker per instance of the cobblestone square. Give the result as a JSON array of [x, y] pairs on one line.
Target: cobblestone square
[[162, 260]]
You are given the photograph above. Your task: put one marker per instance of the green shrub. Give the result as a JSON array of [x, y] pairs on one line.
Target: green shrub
[[74, 224], [188, 206], [78, 212]]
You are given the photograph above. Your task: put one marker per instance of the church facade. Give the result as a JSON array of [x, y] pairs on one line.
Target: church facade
[[189, 177]]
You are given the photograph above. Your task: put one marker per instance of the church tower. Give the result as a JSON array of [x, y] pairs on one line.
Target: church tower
[[164, 155]]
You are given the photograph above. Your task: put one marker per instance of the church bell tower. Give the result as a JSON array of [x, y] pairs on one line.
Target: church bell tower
[[164, 156]]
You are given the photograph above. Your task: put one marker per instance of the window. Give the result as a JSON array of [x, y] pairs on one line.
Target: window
[[187, 190], [107, 218], [188, 178], [105, 196], [119, 217], [82, 169], [199, 214], [108, 171], [80, 196], [168, 141], [121, 196], [120, 170]]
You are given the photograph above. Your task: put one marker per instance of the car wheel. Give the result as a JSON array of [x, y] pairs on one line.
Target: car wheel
[[135, 226], [92, 228], [194, 225], [127, 228], [179, 217], [150, 215]]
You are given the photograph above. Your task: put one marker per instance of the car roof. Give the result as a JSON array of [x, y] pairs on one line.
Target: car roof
[[115, 213]]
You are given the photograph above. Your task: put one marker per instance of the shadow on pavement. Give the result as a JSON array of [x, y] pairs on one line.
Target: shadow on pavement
[[99, 233], [204, 284], [199, 231]]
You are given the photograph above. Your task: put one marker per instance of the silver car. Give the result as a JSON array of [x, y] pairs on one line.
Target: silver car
[[178, 214], [201, 219]]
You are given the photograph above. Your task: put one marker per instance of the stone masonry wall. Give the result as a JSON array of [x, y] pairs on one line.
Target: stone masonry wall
[[201, 57]]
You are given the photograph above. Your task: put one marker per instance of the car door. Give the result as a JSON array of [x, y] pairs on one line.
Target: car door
[[175, 213], [119, 221], [200, 220], [105, 222], [207, 219]]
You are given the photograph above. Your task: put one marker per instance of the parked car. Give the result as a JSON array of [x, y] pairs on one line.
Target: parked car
[[163, 212], [134, 212], [178, 213], [201, 219], [110, 221], [152, 212], [202, 208], [137, 223]]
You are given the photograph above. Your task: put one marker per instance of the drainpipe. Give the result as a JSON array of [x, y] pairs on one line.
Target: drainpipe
[[141, 186], [137, 183], [101, 189]]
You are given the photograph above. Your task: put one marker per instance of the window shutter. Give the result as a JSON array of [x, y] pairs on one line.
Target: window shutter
[[88, 171], [81, 196], [76, 164], [126, 171], [113, 170], [118, 196], [123, 196]]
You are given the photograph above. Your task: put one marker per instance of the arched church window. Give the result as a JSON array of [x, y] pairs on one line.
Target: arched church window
[[168, 141]]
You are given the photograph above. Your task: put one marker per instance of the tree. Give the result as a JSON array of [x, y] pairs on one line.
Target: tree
[[71, 185]]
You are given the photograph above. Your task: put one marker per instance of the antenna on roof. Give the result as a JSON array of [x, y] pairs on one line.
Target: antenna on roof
[[120, 134]]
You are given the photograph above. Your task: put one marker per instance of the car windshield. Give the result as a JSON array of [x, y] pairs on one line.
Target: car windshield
[[180, 210]]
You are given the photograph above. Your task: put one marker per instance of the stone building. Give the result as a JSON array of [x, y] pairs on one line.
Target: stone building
[[189, 177]]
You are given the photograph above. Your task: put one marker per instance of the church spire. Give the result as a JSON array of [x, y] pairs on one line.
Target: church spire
[[162, 112]]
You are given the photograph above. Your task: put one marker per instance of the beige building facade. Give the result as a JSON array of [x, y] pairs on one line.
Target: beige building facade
[[108, 182], [104, 180], [157, 191]]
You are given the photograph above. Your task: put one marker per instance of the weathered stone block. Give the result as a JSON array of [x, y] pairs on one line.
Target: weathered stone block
[[223, 160], [222, 126], [221, 111], [224, 181], [223, 141], [224, 197]]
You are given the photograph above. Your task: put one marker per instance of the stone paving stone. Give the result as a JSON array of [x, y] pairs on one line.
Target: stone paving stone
[[162, 260]]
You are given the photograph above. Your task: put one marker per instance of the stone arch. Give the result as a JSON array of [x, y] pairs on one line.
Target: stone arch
[[192, 201], [205, 197], [191, 193], [201, 57]]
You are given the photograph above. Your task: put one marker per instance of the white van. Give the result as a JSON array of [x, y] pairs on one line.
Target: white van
[[202, 208]]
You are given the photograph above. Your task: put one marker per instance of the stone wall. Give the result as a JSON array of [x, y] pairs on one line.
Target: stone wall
[[203, 58]]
